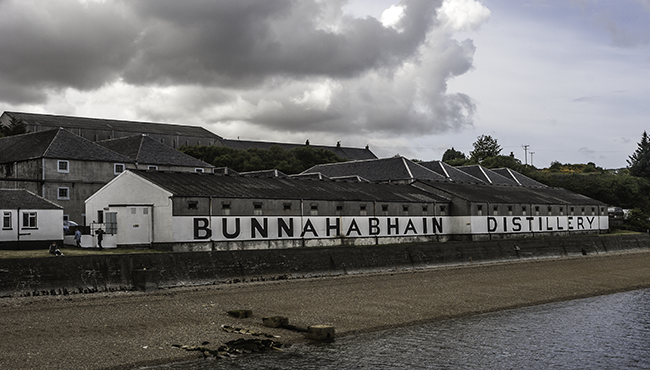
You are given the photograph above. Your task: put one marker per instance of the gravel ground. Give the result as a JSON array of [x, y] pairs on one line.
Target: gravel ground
[[129, 329]]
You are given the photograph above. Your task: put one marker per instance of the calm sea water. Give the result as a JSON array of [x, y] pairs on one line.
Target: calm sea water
[[606, 332]]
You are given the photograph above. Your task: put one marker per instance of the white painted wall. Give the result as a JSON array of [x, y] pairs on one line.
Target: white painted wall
[[49, 226], [125, 193]]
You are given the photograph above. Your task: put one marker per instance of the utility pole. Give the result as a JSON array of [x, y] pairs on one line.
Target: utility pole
[[525, 146], [531, 159]]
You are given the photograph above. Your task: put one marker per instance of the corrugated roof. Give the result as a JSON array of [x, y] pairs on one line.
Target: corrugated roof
[[23, 199], [56, 144], [145, 150], [450, 172], [193, 184], [56, 121], [523, 180], [342, 152], [393, 169], [264, 173], [483, 193], [486, 175]]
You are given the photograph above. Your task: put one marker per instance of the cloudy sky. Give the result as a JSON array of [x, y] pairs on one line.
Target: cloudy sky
[[571, 79]]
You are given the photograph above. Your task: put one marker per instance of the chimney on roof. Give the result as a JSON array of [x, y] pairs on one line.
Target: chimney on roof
[[307, 142], [338, 144], [367, 147]]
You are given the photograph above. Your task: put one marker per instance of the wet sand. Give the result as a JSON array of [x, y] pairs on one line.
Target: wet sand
[[130, 329]]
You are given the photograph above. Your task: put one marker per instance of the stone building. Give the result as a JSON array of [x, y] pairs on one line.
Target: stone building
[[173, 135], [98, 129], [66, 168]]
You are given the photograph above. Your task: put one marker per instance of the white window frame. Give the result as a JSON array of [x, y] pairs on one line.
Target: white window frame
[[6, 221], [199, 170], [115, 167], [67, 193], [67, 166], [152, 168], [30, 220]]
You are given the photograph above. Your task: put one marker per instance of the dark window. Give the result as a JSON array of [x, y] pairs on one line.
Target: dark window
[[6, 220], [287, 206], [193, 204], [63, 166], [63, 193], [29, 220], [384, 207]]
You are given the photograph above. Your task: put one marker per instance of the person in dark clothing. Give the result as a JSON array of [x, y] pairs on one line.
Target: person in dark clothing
[[100, 237], [55, 250]]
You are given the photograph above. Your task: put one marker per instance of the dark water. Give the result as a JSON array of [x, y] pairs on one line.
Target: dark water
[[606, 332]]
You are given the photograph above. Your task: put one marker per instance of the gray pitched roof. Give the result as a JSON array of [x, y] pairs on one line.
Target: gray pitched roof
[[263, 173], [23, 199], [47, 121], [387, 169], [342, 152], [483, 193], [56, 144], [450, 172], [145, 150], [518, 177], [194, 184], [486, 175]]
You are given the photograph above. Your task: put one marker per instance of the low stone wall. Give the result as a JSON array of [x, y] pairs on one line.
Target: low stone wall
[[99, 273]]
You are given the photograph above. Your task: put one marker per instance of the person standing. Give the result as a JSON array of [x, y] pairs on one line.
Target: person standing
[[77, 237], [100, 237]]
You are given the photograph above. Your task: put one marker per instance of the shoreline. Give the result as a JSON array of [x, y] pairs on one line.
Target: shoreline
[[132, 329]]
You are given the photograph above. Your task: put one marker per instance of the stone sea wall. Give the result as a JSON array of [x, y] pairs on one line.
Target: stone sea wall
[[98, 273]]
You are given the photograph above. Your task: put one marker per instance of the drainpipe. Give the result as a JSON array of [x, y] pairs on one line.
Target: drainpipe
[[43, 177]]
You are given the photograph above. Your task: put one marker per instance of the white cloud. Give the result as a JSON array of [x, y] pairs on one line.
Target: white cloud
[[463, 15], [392, 16]]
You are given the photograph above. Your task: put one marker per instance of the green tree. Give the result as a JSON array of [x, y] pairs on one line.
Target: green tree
[[484, 147], [452, 154], [503, 161], [639, 161], [637, 220], [288, 161]]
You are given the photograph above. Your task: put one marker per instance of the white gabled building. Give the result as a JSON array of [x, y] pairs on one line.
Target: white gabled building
[[191, 211], [29, 221]]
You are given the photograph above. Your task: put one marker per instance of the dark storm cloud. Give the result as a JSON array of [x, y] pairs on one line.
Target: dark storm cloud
[[243, 42], [53, 45], [288, 65]]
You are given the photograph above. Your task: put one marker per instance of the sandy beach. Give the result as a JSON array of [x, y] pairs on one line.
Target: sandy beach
[[130, 329]]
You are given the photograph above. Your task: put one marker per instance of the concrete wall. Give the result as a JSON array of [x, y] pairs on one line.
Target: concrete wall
[[72, 275]]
